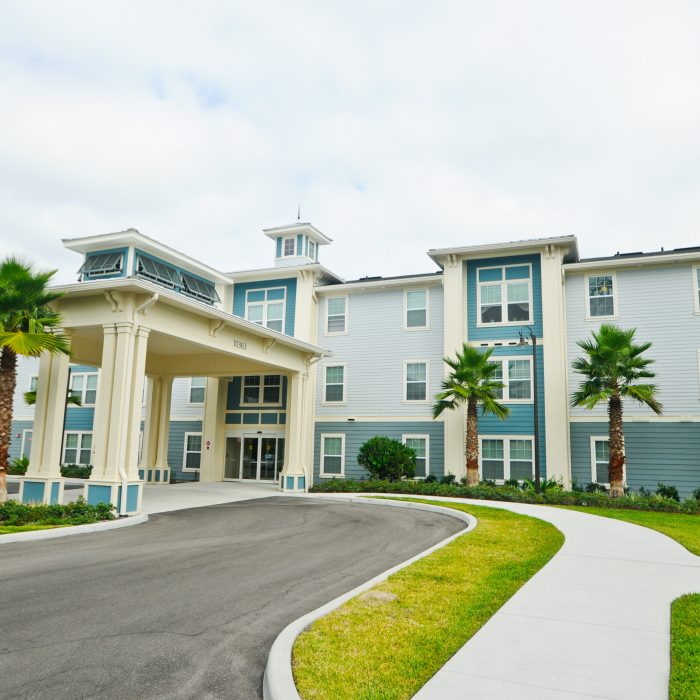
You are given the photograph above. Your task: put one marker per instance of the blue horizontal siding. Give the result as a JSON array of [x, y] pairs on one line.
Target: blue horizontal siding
[[358, 433], [240, 289], [80, 418], [176, 446], [17, 427]]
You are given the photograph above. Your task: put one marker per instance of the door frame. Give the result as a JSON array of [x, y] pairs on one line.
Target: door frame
[[260, 434]]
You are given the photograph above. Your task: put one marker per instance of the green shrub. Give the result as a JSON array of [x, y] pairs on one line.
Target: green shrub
[[77, 513], [696, 494], [387, 459], [76, 471], [448, 479], [18, 466], [431, 479], [667, 491], [595, 488]]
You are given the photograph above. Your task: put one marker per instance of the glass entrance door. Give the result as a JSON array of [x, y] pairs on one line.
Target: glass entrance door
[[254, 457]]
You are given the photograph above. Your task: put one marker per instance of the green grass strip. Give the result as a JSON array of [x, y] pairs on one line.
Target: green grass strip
[[375, 649], [11, 529], [685, 648], [685, 529]]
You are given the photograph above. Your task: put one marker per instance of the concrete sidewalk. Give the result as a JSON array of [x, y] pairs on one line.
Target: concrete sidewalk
[[594, 623]]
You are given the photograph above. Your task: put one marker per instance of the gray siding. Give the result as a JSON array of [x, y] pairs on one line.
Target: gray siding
[[179, 402], [358, 433], [176, 446], [667, 452], [374, 352], [18, 426]]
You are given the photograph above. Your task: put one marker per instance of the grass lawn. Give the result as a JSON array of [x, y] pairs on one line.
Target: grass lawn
[[685, 648], [377, 647], [10, 529], [682, 528]]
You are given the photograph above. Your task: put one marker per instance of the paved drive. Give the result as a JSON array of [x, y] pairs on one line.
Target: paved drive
[[187, 605]]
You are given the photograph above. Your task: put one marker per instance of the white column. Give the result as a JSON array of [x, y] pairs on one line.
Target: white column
[[295, 471], [211, 467], [150, 424], [160, 456]]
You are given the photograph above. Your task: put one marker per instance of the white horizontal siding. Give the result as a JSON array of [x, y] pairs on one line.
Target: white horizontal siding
[[659, 303], [374, 352], [26, 367], [179, 405]]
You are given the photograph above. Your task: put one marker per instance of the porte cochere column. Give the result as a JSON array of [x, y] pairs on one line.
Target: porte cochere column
[[153, 467], [295, 471], [117, 424]]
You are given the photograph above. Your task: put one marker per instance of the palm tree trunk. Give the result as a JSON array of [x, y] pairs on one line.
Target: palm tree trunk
[[472, 447], [8, 380], [616, 447]]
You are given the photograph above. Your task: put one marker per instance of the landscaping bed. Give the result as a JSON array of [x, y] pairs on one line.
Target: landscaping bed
[[23, 517]]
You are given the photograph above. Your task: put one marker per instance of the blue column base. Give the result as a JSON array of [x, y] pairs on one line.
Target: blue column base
[[40, 489], [155, 475], [295, 483], [111, 492]]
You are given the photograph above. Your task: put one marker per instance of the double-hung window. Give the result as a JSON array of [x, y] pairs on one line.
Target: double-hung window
[[505, 294], [600, 460], [336, 315], [419, 444], [416, 303], [289, 247], [266, 389], [516, 376], [601, 296], [312, 250], [77, 448], [332, 455], [266, 307], [334, 391], [416, 381], [83, 385], [192, 457], [505, 458], [198, 388]]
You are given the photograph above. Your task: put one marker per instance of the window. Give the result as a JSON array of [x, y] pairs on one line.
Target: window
[[416, 374], [416, 302], [158, 272], [270, 385], [266, 307], [504, 294], [503, 458], [26, 446], [336, 315], [312, 250], [198, 388], [419, 444], [516, 376], [102, 264], [289, 246], [600, 460], [33, 382], [335, 384], [77, 448], [193, 451], [199, 289], [601, 298], [333, 455], [84, 386]]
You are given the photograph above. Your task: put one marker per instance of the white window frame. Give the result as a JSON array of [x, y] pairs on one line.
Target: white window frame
[[261, 394], [265, 304], [84, 390], [504, 296], [23, 452], [325, 321], [185, 452], [696, 288], [189, 392], [322, 472], [413, 436], [285, 254], [405, 382], [33, 382], [506, 453], [603, 438], [426, 327], [587, 298], [78, 449], [503, 360], [324, 401], [312, 253]]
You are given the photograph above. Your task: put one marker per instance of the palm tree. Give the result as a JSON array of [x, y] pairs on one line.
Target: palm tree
[[611, 368], [25, 320], [471, 381]]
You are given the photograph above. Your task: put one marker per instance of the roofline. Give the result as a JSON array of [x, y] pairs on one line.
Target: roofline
[[272, 272], [133, 237], [437, 253], [167, 295], [433, 279], [638, 261], [277, 230]]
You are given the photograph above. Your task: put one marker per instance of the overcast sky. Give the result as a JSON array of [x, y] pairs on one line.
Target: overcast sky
[[398, 126]]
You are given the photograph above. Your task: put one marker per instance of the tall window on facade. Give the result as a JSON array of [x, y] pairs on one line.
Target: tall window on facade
[[335, 384], [516, 377], [600, 459], [198, 387], [262, 389], [419, 444], [84, 386], [266, 307], [193, 451], [601, 299], [312, 250], [289, 246], [332, 455], [504, 294], [506, 458], [416, 381], [336, 316], [416, 308], [77, 448]]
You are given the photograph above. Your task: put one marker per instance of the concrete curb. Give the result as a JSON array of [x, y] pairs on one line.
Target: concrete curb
[[278, 680], [35, 535]]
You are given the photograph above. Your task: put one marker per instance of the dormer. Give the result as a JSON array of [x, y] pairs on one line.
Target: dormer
[[296, 244]]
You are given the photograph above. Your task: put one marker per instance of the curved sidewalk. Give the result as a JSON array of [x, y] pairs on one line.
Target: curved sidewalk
[[593, 623]]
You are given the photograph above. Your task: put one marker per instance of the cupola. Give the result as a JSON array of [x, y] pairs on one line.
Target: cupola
[[296, 244]]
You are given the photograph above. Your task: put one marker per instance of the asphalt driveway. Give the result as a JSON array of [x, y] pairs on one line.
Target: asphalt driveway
[[187, 605]]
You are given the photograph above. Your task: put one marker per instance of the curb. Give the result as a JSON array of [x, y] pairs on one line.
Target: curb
[[278, 680], [52, 533]]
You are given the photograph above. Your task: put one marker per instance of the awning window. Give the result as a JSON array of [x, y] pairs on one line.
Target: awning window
[[102, 264], [199, 289], [158, 272]]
